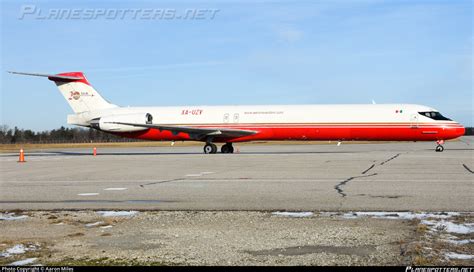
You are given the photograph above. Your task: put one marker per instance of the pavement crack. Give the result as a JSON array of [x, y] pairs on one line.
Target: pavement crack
[[394, 157], [468, 169], [339, 189], [163, 181], [368, 169]]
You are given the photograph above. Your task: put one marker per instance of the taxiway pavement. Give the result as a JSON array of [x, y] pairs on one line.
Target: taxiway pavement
[[370, 177]]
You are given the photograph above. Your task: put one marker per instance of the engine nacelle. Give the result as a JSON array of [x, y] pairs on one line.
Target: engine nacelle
[[108, 123]]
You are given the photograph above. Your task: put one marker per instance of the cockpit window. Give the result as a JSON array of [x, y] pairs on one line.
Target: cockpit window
[[434, 115]]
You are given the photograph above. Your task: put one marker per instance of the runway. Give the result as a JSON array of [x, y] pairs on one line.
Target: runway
[[369, 177]]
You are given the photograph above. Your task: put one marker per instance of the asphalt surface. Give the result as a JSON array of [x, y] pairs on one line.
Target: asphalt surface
[[377, 177]]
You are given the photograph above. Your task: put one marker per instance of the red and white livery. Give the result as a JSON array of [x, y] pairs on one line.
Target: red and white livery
[[229, 124]]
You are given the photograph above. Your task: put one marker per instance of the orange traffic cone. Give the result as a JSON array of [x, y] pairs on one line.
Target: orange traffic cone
[[94, 152], [22, 156]]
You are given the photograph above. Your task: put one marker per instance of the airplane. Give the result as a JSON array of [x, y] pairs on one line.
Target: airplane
[[233, 124]]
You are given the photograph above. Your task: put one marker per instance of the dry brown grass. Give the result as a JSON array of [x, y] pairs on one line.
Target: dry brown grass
[[77, 234], [422, 261], [421, 228]]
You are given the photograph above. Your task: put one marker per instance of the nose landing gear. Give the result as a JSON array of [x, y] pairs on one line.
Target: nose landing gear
[[439, 147]]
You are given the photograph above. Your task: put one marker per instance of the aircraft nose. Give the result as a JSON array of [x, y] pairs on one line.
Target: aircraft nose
[[460, 131], [457, 131], [453, 131]]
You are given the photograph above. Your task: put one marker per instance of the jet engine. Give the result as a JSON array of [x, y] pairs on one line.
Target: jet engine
[[112, 123]]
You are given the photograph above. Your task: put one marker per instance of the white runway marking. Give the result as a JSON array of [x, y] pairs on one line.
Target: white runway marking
[[193, 175], [115, 189], [88, 194]]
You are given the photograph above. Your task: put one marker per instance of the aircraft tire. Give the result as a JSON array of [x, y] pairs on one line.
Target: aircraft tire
[[227, 148], [210, 149]]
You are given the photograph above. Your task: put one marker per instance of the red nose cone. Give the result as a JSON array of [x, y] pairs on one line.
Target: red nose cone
[[460, 131], [455, 131]]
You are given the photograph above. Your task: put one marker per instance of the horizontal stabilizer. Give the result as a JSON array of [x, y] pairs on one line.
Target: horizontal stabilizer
[[51, 77]]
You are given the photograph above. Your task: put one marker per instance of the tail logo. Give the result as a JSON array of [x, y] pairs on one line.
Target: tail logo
[[75, 95]]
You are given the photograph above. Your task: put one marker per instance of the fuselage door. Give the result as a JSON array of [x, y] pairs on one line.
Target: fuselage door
[[226, 118], [414, 120], [236, 117]]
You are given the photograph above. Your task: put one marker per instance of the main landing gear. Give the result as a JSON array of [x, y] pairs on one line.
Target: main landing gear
[[439, 147], [227, 148], [211, 148]]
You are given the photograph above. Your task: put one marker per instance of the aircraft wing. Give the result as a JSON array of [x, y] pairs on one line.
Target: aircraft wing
[[196, 132]]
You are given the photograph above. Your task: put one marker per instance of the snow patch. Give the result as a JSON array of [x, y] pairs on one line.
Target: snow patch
[[349, 216], [206, 173], [293, 214], [117, 213], [454, 255], [25, 261], [11, 216], [106, 227], [449, 226], [17, 249], [400, 215], [94, 224], [193, 175], [460, 242], [88, 194]]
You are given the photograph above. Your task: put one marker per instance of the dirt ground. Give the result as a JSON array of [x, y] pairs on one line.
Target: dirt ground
[[225, 238]]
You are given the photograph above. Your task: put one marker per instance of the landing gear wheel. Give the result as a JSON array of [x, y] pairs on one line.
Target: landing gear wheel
[[227, 148], [210, 149], [439, 148]]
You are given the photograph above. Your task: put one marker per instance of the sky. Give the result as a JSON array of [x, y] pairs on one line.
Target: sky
[[248, 52]]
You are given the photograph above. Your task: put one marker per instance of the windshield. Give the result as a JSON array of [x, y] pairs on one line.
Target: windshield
[[434, 115]]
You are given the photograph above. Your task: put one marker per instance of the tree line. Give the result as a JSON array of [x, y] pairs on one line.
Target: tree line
[[72, 135], [61, 135]]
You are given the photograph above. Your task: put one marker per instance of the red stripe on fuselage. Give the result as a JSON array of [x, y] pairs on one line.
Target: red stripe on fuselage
[[346, 132]]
